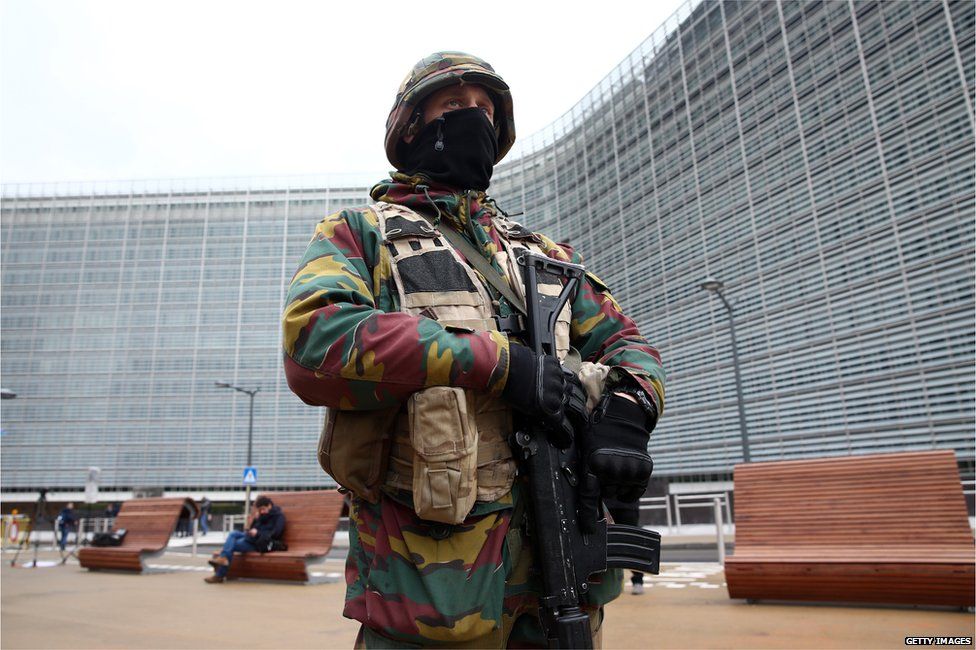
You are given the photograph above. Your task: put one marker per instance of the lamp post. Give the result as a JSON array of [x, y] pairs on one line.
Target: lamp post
[[6, 393], [715, 286], [250, 438]]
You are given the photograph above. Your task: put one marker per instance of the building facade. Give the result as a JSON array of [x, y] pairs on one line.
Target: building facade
[[122, 310], [815, 157]]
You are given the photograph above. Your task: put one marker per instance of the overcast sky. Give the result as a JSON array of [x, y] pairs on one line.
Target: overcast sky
[[135, 89]]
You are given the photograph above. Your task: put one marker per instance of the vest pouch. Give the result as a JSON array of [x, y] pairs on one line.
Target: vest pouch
[[354, 449], [444, 437]]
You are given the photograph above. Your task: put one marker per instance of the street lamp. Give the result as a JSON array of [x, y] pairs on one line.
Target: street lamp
[[715, 286], [250, 438], [6, 393]]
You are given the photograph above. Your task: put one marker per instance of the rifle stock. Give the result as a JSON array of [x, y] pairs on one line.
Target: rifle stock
[[565, 555]]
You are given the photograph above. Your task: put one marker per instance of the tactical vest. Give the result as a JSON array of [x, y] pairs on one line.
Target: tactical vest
[[446, 475]]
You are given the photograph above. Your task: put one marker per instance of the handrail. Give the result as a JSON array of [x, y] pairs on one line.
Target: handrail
[[719, 529], [232, 520], [703, 500], [971, 489], [657, 503]]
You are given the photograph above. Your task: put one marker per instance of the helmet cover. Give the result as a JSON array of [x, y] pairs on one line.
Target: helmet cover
[[437, 71]]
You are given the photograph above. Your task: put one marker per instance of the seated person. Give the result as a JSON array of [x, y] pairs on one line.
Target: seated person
[[265, 528]]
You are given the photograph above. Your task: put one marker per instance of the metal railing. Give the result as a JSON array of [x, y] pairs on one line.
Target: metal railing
[[230, 521], [95, 525], [719, 528], [658, 503], [704, 500]]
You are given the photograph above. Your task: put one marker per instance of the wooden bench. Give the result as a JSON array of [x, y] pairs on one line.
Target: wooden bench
[[311, 519], [149, 523], [884, 528]]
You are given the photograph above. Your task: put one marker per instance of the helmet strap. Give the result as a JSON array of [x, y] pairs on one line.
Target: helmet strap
[[416, 122]]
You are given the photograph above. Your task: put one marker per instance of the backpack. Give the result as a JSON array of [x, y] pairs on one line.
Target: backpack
[[109, 539]]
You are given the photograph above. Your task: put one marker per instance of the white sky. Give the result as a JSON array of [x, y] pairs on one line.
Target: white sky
[[133, 89]]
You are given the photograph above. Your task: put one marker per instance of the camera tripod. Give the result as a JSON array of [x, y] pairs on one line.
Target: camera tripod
[[40, 514]]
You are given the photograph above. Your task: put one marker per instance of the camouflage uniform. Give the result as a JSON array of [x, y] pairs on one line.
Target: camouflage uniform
[[348, 346]]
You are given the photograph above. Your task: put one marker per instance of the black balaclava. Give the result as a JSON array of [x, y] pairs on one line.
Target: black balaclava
[[457, 149]]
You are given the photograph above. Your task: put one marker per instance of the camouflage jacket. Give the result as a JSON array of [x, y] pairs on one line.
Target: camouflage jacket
[[347, 345]]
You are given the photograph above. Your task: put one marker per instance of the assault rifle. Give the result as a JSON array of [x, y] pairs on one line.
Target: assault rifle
[[566, 555]]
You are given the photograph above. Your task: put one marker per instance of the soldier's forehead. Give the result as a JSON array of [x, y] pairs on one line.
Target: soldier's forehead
[[458, 87]]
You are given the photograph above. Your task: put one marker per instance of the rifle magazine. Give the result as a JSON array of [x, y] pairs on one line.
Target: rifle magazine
[[632, 547]]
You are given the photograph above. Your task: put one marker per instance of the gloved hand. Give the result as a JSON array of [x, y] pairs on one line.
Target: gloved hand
[[539, 386], [615, 460]]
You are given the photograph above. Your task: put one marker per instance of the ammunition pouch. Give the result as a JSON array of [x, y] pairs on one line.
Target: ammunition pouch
[[354, 449], [431, 441], [444, 438]]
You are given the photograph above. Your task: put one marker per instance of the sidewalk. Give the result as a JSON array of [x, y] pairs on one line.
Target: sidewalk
[[687, 606]]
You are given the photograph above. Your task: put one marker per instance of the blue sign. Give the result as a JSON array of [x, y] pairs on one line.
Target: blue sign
[[250, 476]]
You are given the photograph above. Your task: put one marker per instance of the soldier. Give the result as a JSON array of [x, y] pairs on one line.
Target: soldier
[[420, 363]]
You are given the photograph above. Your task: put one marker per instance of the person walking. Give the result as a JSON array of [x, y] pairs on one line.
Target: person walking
[[424, 368], [67, 521], [205, 506]]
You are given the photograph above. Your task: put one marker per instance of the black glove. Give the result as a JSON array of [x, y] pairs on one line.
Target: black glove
[[539, 386], [615, 448], [615, 461]]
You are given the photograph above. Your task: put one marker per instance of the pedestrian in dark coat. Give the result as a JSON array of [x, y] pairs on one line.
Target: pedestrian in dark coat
[[266, 527]]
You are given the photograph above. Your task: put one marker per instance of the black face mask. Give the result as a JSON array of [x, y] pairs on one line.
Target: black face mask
[[457, 149]]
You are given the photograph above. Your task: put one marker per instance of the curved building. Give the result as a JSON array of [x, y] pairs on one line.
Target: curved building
[[816, 158]]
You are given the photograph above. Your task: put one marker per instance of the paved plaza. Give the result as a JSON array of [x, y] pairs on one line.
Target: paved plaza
[[687, 606]]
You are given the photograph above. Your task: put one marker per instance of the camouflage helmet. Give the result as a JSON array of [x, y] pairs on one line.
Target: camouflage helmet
[[437, 71]]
